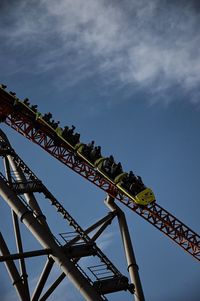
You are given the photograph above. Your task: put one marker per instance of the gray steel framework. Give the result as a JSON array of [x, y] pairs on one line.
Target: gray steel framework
[[19, 187]]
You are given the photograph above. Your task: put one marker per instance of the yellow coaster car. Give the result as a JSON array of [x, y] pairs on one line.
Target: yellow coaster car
[[145, 197]]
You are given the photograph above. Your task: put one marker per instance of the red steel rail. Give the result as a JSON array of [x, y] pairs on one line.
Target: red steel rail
[[24, 122]]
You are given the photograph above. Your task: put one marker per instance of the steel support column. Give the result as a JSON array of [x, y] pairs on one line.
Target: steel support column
[[128, 248]]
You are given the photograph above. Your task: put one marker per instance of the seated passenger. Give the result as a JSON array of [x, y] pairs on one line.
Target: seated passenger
[[132, 189], [26, 101], [129, 179], [116, 169], [75, 139], [132, 176], [95, 154], [65, 131], [47, 117], [131, 183], [107, 164], [68, 135], [139, 179], [87, 149], [140, 183], [55, 124], [71, 130], [137, 185], [34, 108], [91, 145]]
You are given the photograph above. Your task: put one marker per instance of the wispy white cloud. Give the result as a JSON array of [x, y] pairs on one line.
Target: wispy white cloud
[[143, 43]]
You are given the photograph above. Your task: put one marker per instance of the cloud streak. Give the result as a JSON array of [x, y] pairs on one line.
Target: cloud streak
[[145, 44]]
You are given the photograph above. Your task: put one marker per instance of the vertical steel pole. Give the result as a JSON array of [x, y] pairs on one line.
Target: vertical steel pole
[[128, 248]]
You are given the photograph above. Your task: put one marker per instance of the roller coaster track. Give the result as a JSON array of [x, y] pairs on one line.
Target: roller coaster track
[[25, 123]]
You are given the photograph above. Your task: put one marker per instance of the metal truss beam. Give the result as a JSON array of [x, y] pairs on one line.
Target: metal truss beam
[[102, 224], [24, 255], [42, 280], [26, 124], [52, 287], [101, 229]]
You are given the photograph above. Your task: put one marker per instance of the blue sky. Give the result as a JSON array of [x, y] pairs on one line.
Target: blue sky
[[127, 76]]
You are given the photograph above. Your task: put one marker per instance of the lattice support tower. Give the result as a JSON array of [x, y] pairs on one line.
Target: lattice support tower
[[19, 187]]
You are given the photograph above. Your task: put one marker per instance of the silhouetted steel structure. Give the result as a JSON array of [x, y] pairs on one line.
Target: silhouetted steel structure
[[25, 122], [18, 187]]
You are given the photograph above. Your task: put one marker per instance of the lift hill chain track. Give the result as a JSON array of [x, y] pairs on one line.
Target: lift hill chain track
[[24, 122]]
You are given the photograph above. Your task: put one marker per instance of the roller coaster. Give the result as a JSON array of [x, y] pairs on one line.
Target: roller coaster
[[128, 184], [87, 160]]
